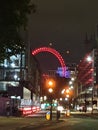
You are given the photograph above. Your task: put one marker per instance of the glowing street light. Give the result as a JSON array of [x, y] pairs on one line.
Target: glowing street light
[[67, 91], [50, 83], [89, 58], [70, 82], [50, 90]]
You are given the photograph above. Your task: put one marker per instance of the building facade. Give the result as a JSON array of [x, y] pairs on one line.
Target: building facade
[[87, 78], [20, 81]]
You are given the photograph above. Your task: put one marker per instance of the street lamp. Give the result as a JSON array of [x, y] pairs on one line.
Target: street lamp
[[91, 59], [92, 78], [50, 83], [50, 91], [67, 95]]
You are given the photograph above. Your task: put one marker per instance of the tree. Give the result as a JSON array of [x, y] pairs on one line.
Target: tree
[[13, 16]]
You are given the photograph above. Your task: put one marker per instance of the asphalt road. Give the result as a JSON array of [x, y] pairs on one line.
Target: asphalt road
[[77, 121], [67, 124]]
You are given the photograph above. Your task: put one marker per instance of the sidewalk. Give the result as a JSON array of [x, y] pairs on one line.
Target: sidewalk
[[93, 115]]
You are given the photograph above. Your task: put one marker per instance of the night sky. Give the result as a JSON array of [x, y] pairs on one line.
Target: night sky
[[63, 23]]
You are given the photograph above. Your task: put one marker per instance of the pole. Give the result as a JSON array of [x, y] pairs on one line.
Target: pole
[[93, 79], [51, 109], [85, 101], [92, 100], [51, 98]]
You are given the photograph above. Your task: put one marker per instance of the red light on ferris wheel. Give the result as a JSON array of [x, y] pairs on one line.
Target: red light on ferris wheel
[[54, 52]]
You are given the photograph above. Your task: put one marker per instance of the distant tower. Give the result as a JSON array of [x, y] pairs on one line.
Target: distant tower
[[93, 41], [87, 42], [96, 35], [97, 31], [90, 43]]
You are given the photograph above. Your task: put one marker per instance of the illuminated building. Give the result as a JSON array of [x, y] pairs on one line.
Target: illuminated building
[[87, 78], [20, 80]]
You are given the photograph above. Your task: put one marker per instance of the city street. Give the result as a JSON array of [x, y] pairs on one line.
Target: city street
[[74, 122], [49, 65]]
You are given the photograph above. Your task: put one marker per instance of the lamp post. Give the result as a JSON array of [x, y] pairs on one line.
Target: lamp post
[[67, 95], [50, 91], [91, 59], [50, 83], [93, 79]]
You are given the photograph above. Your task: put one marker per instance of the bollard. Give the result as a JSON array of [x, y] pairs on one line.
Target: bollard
[[68, 113], [48, 115]]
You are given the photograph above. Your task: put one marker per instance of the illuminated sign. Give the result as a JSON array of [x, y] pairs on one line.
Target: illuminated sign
[[59, 72]]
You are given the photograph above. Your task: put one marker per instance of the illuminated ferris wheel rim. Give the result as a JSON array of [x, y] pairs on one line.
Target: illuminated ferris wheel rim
[[54, 52]]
